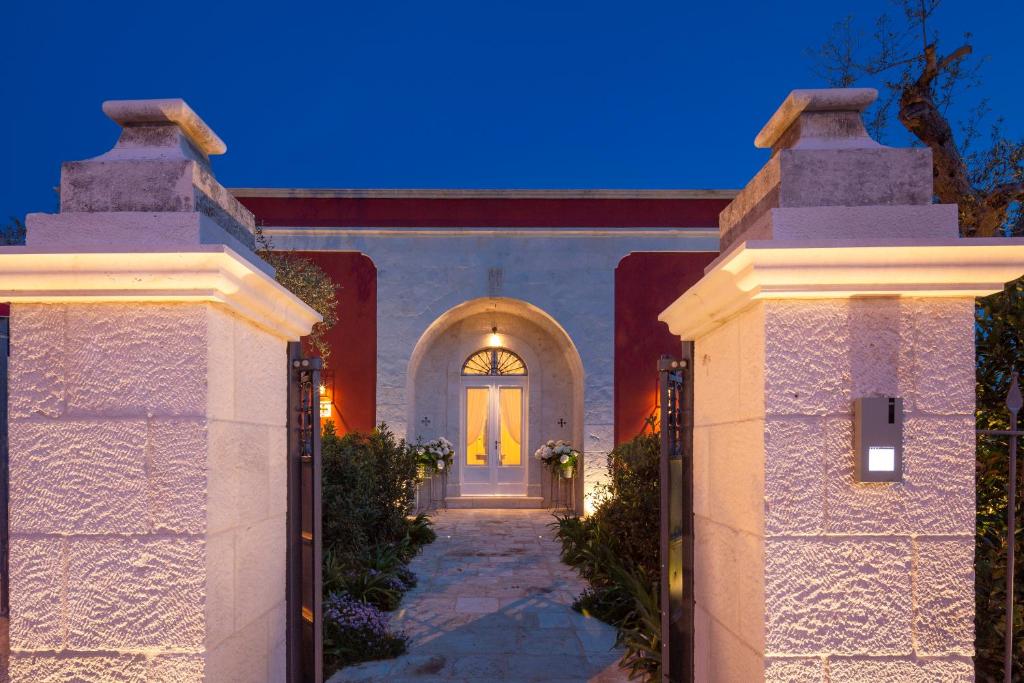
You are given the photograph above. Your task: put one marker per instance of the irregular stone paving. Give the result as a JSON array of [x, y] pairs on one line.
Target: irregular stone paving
[[494, 604]]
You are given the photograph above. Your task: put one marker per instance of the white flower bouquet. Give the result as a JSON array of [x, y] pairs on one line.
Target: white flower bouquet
[[560, 456], [434, 456]]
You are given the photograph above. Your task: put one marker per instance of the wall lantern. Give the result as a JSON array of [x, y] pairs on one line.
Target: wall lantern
[[494, 340], [326, 392], [878, 439], [325, 402]]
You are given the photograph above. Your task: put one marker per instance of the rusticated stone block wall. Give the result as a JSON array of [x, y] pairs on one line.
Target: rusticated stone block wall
[[802, 573], [147, 466], [728, 481]]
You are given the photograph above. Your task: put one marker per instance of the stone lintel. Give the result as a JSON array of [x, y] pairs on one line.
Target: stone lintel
[[166, 112], [842, 269], [214, 273]]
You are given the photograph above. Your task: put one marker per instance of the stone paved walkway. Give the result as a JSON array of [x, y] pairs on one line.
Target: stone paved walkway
[[494, 604]]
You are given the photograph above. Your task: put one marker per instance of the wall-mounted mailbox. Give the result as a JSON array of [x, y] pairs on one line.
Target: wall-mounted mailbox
[[878, 438]]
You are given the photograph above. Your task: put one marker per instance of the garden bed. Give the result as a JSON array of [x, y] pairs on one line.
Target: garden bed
[[368, 487], [616, 550]]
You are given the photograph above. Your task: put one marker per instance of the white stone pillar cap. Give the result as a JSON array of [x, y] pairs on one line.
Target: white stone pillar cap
[[823, 99], [210, 273], [134, 113], [843, 269]]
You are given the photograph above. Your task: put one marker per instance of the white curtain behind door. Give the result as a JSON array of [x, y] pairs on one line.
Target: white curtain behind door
[[477, 404], [510, 403]]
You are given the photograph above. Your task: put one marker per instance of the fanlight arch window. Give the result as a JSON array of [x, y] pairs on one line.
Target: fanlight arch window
[[494, 362]]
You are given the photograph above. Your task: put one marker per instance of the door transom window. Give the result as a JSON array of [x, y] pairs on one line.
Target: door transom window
[[494, 362]]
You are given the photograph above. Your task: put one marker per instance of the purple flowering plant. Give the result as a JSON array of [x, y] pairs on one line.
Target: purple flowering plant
[[356, 631]]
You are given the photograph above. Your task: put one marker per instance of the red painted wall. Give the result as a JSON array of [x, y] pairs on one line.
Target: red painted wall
[[451, 212], [645, 284], [352, 367]]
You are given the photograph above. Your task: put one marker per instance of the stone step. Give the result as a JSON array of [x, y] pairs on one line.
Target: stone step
[[495, 502]]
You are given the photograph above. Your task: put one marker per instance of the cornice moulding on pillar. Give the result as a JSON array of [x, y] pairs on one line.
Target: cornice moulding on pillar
[[842, 269], [215, 274]]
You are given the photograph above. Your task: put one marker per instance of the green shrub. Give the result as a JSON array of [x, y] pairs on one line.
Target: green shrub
[[627, 508], [368, 487], [616, 550], [421, 531], [383, 590], [999, 333]]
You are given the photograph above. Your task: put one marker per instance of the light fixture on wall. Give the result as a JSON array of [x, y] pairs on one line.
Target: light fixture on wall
[[494, 340], [326, 394], [878, 439]]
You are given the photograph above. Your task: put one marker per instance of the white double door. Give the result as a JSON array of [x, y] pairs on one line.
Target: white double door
[[494, 456]]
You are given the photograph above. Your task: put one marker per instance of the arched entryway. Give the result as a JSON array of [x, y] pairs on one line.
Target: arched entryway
[[497, 377]]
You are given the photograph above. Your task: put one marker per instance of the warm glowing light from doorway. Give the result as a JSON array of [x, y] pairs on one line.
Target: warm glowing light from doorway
[[494, 339]]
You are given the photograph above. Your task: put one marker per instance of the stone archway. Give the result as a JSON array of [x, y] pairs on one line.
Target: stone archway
[[553, 385]]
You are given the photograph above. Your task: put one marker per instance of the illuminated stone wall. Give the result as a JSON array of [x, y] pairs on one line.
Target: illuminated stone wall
[[147, 503], [798, 567], [839, 280], [147, 421]]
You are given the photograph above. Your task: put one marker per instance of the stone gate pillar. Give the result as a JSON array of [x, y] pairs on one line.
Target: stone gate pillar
[[147, 420], [839, 279]]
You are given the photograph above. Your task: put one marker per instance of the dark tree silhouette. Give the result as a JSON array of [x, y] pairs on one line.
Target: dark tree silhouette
[[919, 83]]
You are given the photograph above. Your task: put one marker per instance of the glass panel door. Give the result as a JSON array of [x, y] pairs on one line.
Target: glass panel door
[[510, 417], [494, 434], [478, 408]]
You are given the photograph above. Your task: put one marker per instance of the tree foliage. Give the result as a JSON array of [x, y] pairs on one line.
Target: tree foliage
[[983, 173], [1000, 347], [309, 282], [13, 233]]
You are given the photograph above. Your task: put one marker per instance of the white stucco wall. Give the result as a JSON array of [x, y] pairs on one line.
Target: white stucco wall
[[554, 383], [568, 273]]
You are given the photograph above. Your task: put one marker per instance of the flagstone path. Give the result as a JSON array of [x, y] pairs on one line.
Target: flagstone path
[[494, 604]]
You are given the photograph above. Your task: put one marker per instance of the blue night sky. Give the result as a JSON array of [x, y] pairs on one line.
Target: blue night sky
[[441, 94]]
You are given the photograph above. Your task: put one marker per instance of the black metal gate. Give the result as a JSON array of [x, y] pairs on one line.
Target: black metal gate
[[676, 516], [1014, 403], [305, 584]]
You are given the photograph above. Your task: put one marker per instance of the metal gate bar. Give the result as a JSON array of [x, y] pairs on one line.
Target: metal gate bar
[[305, 562], [676, 474], [1014, 403]]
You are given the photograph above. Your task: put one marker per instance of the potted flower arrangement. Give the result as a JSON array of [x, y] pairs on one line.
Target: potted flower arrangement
[[560, 456], [434, 456]]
